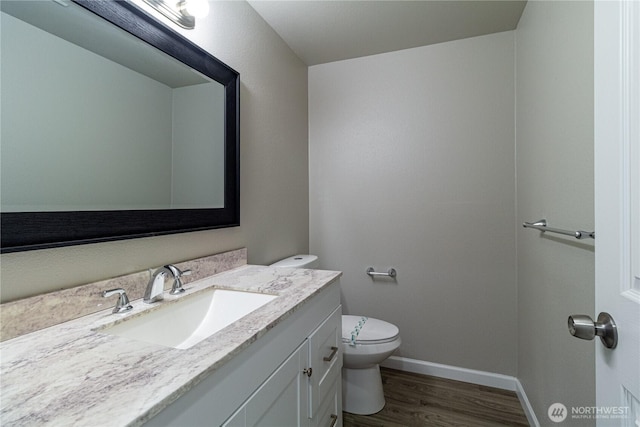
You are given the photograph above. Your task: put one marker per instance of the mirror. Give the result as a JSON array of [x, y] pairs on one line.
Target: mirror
[[113, 127]]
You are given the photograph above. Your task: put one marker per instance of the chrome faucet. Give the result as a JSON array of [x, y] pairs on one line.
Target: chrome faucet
[[155, 288]]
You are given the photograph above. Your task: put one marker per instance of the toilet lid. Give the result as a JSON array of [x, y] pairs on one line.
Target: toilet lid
[[364, 330]]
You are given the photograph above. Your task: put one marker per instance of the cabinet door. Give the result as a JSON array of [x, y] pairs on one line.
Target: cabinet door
[[325, 358], [329, 412], [277, 402]]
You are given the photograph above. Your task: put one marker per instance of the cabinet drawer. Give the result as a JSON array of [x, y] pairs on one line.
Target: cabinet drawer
[[325, 358]]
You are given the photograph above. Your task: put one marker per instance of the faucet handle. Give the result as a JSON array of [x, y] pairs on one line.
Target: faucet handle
[[177, 287], [123, 301], [177, 273], [177, 278]]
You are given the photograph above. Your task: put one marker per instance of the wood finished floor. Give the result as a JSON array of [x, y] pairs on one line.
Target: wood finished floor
[[421, 400]]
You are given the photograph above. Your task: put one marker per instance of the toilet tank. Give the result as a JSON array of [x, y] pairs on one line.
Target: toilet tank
[[298, 261]]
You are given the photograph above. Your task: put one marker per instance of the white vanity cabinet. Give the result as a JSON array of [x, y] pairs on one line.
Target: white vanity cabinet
[[304, 390], [268, 383]]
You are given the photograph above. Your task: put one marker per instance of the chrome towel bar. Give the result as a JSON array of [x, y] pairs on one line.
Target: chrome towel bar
[[542, 226], [389, 273]]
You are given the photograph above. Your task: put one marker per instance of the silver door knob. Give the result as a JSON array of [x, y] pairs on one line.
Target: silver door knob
[[583, 327]]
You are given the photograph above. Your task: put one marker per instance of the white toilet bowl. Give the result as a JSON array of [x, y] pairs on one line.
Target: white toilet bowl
[[366, 342]]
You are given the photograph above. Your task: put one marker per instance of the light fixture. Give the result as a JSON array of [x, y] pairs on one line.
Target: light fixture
[[182, 12], [195, 8]]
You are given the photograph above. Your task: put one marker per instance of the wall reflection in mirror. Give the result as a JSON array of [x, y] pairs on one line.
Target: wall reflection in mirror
[[101, 122]]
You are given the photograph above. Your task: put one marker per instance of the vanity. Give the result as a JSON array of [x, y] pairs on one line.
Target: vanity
[[278, 365]]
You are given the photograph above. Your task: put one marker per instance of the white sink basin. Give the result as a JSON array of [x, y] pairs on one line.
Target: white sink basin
[[185, 322]]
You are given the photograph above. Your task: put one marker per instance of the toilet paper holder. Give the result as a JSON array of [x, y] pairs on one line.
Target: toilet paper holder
[[389, 273]]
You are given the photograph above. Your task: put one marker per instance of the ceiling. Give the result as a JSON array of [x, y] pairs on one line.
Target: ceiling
[[332, 30]]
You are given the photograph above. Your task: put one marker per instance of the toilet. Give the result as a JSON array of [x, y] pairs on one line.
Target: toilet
[[366, 342]]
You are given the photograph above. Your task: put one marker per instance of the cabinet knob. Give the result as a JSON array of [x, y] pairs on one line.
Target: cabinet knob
[[308, 372]]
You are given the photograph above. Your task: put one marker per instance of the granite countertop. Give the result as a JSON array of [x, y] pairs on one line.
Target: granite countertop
[[73, 374]]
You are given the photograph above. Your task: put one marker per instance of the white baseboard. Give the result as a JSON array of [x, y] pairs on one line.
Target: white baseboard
[[526, 405], [489, 379]]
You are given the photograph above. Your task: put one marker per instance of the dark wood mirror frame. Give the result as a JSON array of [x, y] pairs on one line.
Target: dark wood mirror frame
[[21, 231]]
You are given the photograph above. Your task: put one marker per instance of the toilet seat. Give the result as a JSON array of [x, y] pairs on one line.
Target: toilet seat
[[367, 331]]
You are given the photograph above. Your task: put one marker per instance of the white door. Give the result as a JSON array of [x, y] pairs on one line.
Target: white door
[[617, 207]]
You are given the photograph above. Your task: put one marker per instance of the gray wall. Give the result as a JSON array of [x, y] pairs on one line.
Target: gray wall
[[274, 170], [412, 166], [554, 149]]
